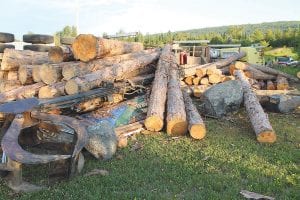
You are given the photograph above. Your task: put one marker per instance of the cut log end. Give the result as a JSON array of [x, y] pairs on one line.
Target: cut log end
[[267, 137], [22, 74], [69, 72], [56, 54], [177, 127], [72, 87], [198, 131], [154, 123], [85, 47]]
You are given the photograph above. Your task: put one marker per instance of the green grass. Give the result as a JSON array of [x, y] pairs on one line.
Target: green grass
[[284, 51], [288, 69], [228, 160]]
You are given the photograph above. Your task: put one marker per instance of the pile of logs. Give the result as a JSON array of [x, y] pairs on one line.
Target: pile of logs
[[201, 77], [168, 100]]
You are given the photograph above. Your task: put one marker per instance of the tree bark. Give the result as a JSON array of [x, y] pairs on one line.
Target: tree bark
[[176, 115], [250, 71], [196, 125], [21, 92], [158, 97], [259, 120], [74, 69], [59, 54], [87, 47], [227, 61], [282, 83], [275, 72], [12, 59], [117, 71], [53, 90]]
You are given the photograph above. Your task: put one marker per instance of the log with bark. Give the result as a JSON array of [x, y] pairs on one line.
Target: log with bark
[[53, 90], [282, 83], [275, 92], [74, 69], [196, 125], [59, 54], [21, 92], [12, 59], [176, 115], [158, 97], [259, 119], [274, 72], [87, 47], [95, 79], [250, 71]]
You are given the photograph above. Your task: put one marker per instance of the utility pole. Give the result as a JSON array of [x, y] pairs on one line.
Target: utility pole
[[77, 15]]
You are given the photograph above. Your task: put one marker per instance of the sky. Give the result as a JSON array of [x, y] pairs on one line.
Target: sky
[[152, 16]]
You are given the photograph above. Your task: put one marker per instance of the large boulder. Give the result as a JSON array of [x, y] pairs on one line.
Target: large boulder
[[222, 98], [282, 103]]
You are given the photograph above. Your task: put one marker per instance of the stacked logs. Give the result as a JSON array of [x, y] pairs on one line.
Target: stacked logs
[[33, 74], [201, 77], [167, 100]]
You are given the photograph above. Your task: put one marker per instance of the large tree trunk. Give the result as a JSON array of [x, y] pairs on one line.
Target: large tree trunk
[[250, 71], [176, 116], [74, 69], [50, 73], [196, 125], [117, 71], [22, 92], [12, 59], [157, 101], [59, 54], [53, 90], [259, 119], [275, 72], [87, 47]]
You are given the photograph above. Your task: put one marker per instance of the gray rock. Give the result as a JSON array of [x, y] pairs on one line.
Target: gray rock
[[102, 140], [282, 103], [223, 98]]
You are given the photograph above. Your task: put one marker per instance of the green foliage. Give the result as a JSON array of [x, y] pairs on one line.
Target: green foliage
[[276, 34], [67, 31], [226, 161]]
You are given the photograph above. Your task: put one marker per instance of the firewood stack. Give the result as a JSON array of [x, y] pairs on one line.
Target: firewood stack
[[201, 77]]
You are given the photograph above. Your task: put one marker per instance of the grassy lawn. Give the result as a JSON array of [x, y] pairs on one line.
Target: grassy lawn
[[228, 160]]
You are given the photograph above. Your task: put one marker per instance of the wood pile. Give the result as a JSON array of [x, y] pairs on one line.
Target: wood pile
[[94, 76]]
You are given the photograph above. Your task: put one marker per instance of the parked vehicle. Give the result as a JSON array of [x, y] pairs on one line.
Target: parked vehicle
[[286, 60]]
